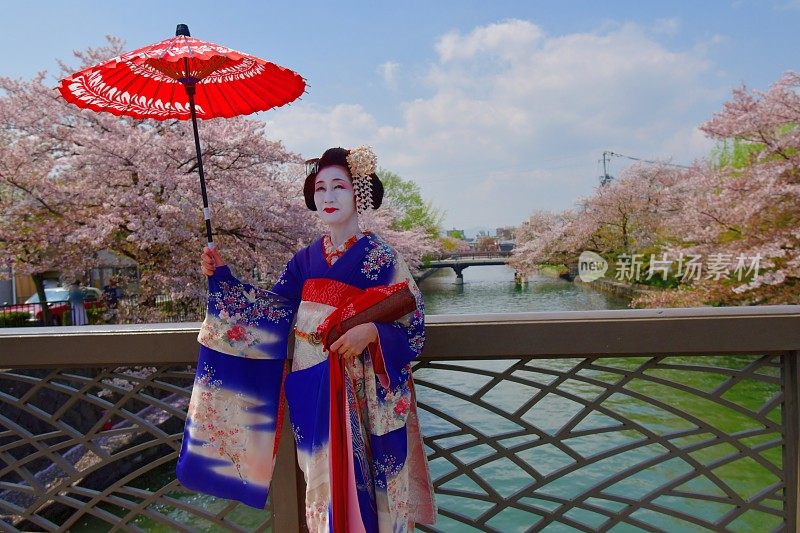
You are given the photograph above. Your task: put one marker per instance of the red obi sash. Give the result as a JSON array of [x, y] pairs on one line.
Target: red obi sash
[[348, 301]]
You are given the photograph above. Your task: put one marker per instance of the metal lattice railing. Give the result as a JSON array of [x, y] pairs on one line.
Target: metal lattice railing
[[657, 443], [93, 449], [583, 421]]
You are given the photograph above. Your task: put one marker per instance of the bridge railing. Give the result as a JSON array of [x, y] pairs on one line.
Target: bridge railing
[[661, 419], [472, 255]]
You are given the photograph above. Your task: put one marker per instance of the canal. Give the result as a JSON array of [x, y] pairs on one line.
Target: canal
[[491, 289]]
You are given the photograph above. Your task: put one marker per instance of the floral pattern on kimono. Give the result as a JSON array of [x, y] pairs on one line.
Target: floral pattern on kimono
[[237, 313]]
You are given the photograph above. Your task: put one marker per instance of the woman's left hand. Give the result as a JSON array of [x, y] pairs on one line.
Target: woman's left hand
[[355, 339]]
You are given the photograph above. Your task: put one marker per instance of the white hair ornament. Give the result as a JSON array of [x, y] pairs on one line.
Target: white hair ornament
[[362, 163]]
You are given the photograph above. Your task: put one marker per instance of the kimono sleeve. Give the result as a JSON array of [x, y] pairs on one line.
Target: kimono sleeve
[[233, 420], [246, 320], [401, 341]]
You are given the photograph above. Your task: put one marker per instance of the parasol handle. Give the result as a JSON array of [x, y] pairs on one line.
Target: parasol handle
[[190, 90]]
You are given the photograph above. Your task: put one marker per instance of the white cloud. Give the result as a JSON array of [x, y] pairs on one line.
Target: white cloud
[[515, 119], [505, 39], [690, 141], [310, 130], [388, 72]]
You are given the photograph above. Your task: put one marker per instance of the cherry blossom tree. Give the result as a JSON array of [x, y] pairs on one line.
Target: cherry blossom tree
[[748, 214], [541, 239], [74, 182], [626, 215], [37, 208]]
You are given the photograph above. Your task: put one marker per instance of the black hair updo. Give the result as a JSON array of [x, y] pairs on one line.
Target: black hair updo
[[338, 156]]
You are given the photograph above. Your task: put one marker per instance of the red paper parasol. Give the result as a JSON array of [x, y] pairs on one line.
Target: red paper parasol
[[183, 78]]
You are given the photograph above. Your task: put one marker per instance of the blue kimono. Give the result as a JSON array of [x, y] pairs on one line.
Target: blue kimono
[[235, 413]]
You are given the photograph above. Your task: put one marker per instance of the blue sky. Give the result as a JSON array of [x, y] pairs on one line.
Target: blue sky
[[495, 108]]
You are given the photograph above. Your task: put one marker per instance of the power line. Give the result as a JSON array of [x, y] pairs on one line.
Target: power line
[[644, 160], [606, 177]]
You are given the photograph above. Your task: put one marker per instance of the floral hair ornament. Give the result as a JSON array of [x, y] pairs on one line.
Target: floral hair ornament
[[362, 163]]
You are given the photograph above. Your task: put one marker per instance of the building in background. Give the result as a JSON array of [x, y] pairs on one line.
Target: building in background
[[18, 288], [506, 234]]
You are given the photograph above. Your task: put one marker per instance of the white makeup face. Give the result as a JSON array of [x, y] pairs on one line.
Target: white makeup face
[[334, 195]]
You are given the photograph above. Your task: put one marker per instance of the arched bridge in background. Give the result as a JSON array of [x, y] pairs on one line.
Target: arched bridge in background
[[459, 261]]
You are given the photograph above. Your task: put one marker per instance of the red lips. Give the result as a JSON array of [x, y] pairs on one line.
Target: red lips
[[330, 209]]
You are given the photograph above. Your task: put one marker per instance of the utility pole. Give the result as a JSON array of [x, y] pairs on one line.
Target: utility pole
[[605, 178]]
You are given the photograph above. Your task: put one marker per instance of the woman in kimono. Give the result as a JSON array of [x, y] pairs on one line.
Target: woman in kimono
[[357, 432]]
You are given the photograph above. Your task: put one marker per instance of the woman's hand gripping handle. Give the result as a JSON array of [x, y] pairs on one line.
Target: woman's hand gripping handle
[[210, 259]]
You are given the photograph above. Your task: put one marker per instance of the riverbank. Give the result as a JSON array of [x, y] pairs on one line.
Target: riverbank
[[614, 288], [611, 287]]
